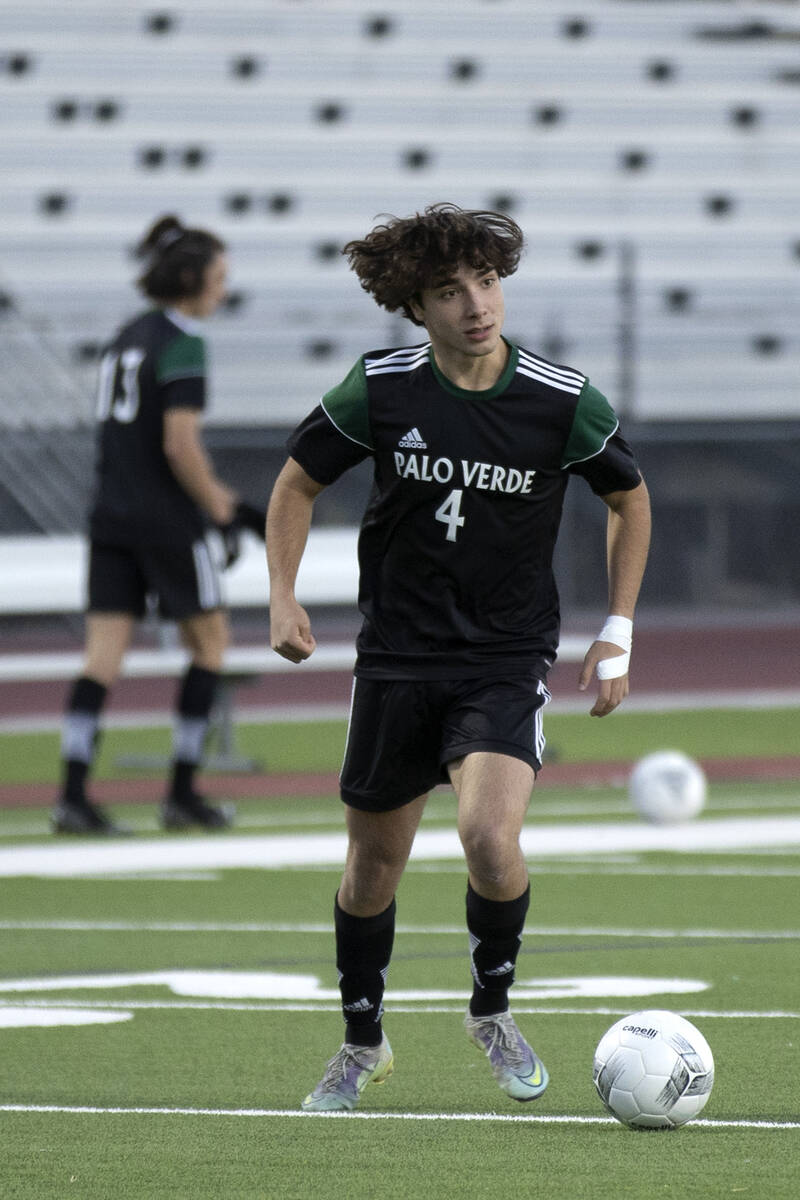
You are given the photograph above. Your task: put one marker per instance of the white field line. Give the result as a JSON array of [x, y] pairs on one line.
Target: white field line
[[444, 868], [86, 859], [394, 1007], [148, 826], [313, 927], [19, 824], [263, 1113]]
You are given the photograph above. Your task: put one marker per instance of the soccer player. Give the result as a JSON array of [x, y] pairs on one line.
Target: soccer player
[[156, 496], [473, 441]]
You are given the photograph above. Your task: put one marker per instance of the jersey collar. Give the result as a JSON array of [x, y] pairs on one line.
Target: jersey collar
[[189, 325], [489, 393]]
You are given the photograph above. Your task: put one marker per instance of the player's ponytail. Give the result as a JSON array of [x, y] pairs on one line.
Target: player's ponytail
[[176, 259]]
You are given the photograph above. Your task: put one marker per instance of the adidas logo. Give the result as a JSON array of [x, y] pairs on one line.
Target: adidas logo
[[362, 1005], [413, 440]]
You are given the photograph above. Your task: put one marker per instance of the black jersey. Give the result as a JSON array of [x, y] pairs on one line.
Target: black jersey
[[156, 362], [456, 544]]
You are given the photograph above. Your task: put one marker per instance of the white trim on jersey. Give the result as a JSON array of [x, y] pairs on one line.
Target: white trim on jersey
[[208, 589], [538, 723], [343, 432], [544, 372], [407, 359], [349, 723], [574, 390], [594, 453], [533, 360]]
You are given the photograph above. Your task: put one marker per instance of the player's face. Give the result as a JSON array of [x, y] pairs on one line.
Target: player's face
[[213, 291], [464, 314]]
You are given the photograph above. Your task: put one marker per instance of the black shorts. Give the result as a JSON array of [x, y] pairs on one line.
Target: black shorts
[[403, 733], [180, 581]]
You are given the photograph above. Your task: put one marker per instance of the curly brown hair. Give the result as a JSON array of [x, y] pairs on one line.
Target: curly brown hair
[[398, 259]]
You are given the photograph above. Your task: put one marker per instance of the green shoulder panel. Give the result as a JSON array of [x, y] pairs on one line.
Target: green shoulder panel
[[184, 357], [593, 424], [346, 406]]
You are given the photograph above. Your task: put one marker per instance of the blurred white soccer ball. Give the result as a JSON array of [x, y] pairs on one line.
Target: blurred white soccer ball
[[667, 787], [653, 1070]]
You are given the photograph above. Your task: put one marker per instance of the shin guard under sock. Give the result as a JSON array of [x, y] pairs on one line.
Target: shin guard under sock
[[363, 951], [495, 935]]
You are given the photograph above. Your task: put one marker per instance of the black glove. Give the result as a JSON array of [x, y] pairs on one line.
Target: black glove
[[231, 543], [251, 518], [247, 516]]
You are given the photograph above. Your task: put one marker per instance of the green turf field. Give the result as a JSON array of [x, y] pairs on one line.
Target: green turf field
[[571, 737], [212, 1000]]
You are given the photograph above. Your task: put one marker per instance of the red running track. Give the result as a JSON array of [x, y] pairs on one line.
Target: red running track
[[665, 661]]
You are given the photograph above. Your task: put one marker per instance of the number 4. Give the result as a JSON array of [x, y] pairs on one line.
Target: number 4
[[449, 513]]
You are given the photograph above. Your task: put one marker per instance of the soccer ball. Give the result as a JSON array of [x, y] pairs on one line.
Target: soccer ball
[[653, 1070], [667, 787]]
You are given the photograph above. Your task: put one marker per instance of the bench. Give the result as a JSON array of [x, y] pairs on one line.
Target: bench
[[47, 575]]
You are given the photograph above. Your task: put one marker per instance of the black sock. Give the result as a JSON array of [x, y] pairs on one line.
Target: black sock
[[80, 736], [363, 950], [495, 935], [195, 701], [74, 774], [182, 782]]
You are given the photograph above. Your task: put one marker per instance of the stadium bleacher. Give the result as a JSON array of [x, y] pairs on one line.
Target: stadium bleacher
[[649, 149], [289, 126]]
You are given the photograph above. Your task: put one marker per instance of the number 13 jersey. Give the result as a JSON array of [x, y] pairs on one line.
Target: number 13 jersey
[[457, 539], [155, 363]]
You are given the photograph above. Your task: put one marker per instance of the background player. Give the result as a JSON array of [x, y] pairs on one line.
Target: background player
[[474, 440], [156, 494]]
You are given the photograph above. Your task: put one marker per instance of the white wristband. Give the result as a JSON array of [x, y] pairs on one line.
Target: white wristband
[[618, 631]]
